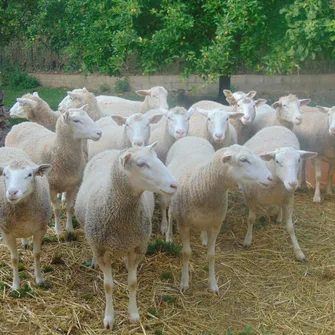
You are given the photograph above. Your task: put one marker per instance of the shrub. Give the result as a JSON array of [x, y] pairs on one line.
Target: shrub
[[15, 78], [121, 86]]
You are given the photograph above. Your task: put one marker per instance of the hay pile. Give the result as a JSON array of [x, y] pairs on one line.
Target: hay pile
[[263, 290]]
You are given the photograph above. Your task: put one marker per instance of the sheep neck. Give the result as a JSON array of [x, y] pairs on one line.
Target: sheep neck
[[45, 116], [168, 140], [125, 138], [282, 122], [94, 110], [211, 178]]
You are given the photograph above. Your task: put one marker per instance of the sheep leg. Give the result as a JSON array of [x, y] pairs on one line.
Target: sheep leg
[[37, 241], [25, 243], [10, 241], [57, 211], [169, 233], [133, 260], [164, 203], [302, 175], [63, 199], [212, 283], [185, 239], [251, 220], [105, 265], [330, 179], [287, 214], [70, 195], [317, 165], [204, 237], [279, 218]]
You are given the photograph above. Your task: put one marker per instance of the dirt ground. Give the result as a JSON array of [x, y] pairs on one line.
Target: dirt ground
[[263, 289]]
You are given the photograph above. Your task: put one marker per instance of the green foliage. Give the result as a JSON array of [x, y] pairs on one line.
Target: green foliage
[[169, 299], [26, 291], [121, 86], [152, 311], [47, 269], [169, 248], [15, 78], [104, 88], [57, 259], [166, 276]]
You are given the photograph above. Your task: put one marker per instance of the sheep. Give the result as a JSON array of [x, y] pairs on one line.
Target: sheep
[[135, 130], [280, 148], [155, 98], [317, 133], [244, 103], [80, 97], [211, 122], [115, 212], [35, 109], [284, 112], [200, 202], [25, 207], [63, 150]]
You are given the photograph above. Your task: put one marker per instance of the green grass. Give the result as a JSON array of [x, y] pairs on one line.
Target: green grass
[[22, 292], [169, 248]]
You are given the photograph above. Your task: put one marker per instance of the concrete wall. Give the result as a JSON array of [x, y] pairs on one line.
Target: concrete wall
[[303, 85]]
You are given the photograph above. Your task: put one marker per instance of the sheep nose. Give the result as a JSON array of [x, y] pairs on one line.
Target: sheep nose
[[180, 131], [293, 184], [13, 192], [270, 178], [298, 119], [246, 117], [218, 135], [138, 143], [332, 131], [99, 133], [174, 186]]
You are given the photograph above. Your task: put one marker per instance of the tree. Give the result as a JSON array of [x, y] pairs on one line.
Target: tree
[[213, 38]]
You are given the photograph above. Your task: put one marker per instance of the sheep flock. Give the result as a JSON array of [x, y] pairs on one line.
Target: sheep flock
[[113, 159]]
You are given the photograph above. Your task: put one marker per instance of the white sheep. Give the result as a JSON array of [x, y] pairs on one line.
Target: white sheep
[[133, 130], [115, 212], [25, 207], [280, 147], [211, 122], [35, 109], [200, 202], [284, 112], [63, 150], [317, 133], [155, 98], [78, 98], [245, 104]]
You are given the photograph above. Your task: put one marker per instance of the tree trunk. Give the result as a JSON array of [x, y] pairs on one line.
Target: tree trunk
[[224, 84]]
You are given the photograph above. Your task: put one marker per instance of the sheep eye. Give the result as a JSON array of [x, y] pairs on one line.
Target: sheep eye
[[209, 119], [142, 164], [244, 160], [76, 121], [227, 118], [30, 175], [278, 163], [4, 174]]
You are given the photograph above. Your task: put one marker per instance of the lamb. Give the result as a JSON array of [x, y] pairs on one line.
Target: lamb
[[155, 98], [35, 109], [115, 212], [63, 150], [280, 147], [284, 112], [80, 97], [211, 122], [244, 103], [317, 133], [25, 207], [200, 202], [135, 130]]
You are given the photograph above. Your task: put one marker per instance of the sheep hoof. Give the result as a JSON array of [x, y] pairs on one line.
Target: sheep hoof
[[25, 244], [15, 287], [317, 199], [134, 317], [299, 255], [246, 243], [164, 230], [108, 322], [329, 191], [184, 286], [168, 238], [40, 282], [214, 288]]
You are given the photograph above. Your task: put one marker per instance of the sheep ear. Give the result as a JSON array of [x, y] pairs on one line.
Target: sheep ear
[[152, 146], [42, 170], [251, 94], [307, 154], [155, 118], [35, 94], [85, 89], [235, 115], [232, 101], [276, 105], [66, 116], [189, 113], [202, 111], [227, 158], [260, 102], [24, 101], [1, 170], [125, 158], [304, 102], [120, 120], [84, 108], [268, 155], [227, 93], [143, 93], [323, 109]]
